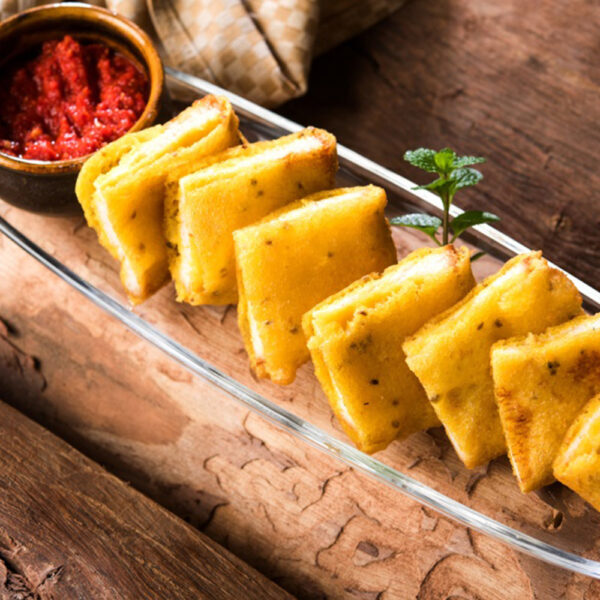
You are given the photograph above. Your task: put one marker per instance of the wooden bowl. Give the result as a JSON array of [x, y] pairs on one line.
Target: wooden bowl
[[49, 187]]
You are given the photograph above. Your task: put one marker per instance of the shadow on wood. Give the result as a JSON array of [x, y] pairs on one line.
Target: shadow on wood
[[68, 529]]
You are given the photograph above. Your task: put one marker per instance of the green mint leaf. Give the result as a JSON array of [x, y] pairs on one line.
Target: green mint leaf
[[470, 218], [428, 224], [433, 185], [444, 160], [465, 161], [454, 173], [438, 186], [477, 256], [422, 158], [466, 177], [444, 188]]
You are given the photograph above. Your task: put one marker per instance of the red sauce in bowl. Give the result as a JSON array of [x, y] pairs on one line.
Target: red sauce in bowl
[[69, 101]]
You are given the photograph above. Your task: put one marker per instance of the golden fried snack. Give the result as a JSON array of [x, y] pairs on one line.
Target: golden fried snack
[[355, 340], [229, 191], [295, 258], [541, 383], [127, 206], [451, 354], [102, 162], [577, 464]]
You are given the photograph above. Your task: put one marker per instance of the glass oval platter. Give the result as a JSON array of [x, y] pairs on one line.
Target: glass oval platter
[[552, 525]]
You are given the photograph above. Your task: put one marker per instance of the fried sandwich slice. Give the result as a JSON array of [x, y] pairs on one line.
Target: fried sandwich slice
[[355, 340], [451, 354], [297, 257], [102, 162], [541, 383], [231, 190], [577, 464], [128, 200]]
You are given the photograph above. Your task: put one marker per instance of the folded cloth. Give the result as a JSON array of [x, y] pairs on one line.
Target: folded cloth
[[260, 49]]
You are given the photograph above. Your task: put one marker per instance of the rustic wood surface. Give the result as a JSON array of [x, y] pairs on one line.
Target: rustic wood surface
[[515, 82], [303, 519], [69, 529]]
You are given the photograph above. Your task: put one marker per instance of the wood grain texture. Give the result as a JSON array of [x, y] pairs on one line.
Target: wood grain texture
[[69, 529], [517, 82], [314, 526]]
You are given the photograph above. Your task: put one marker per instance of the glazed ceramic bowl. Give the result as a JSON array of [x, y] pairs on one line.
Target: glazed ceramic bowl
[[49, 187]]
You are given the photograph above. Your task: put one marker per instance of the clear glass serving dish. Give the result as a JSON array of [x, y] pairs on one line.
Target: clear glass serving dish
[[548, 527]]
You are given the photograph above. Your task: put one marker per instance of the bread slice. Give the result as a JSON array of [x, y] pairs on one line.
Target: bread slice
[[102, 162], [232, 190], [355, 340], [296, 258], [127, 204], [451, 354], [577, 463], [541, 383]]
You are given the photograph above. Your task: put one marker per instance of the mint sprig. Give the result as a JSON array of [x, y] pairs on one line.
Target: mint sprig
[[454, 173], [428, 224]]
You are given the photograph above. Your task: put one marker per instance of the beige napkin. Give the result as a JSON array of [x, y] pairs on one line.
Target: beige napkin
[[260, 49]]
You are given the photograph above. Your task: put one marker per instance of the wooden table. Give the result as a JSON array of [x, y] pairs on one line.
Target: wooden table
[[515, 82], [68, 529]]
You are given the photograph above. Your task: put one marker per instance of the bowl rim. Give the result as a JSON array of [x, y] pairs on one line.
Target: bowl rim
[[120, 26]]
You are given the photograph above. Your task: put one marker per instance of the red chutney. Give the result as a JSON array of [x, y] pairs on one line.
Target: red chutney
[[69, 101]]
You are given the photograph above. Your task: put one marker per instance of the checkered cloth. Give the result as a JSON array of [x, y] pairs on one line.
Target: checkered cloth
[[260, 49]]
